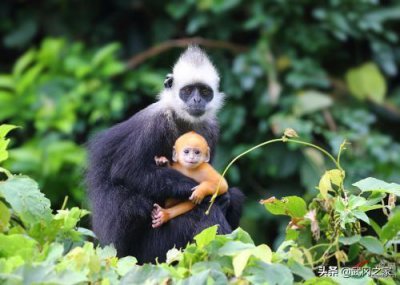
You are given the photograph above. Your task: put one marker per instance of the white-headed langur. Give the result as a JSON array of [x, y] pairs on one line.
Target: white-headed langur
[[124, 182]]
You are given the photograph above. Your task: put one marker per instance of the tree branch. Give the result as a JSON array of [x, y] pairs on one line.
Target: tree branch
[[184, 42]]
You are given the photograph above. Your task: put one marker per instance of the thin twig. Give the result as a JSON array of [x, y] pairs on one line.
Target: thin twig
[[167, 45], [329, 120]]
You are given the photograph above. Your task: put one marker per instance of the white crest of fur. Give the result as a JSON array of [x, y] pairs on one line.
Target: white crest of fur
[[193, 66]]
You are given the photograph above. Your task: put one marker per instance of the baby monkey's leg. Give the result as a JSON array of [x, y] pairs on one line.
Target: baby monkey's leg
[[160, 215]]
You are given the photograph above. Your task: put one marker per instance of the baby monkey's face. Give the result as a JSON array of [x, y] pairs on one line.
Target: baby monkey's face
[[192, 157]]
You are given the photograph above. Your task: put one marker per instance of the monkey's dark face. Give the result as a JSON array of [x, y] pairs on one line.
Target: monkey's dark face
[[196, 97]]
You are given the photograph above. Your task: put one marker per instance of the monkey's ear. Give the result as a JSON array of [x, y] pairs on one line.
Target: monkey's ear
[[207, 155], [169, 79], [174, 155]]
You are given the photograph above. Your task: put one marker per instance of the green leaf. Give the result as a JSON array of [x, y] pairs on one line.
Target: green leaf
[[349, 240], [23, 62], [333, 176], [301, 270], [240, 235], [392, 227], [50, 52], [361, 215], [146, 274], [23, 194], [311, 101], [200, 278], [4, 130], [320, 281], [239, 262], [373, 184], [291, 206], [372, 244], [376, 227], [5, 216], [8, 265], [356, 201], [6, 81], [43, 274], [206, 236], [105, 53], [71, 217], [232, 248], [125, 264], [276, 274], [367, 81], [324, 185], [18, 245]]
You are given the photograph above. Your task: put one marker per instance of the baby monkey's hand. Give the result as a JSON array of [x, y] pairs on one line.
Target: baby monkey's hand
[[161, 161], [197, 195]]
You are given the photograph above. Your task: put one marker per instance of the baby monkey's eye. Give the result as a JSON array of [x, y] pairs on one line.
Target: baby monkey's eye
[[186, 151], [197, 152]]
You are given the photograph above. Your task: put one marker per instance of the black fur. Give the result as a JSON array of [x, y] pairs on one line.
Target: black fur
[[124, 183]]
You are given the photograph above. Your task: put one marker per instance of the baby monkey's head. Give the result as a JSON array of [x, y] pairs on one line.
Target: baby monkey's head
[[191, 150]]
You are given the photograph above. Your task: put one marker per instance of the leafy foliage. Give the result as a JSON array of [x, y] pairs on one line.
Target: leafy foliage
[[39, 247]]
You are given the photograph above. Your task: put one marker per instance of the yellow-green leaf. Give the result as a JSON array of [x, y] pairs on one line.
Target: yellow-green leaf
[[325, 185], [367, 82], [239, 261], [4, 217], [206, 236], [336, 176], [263, 252]]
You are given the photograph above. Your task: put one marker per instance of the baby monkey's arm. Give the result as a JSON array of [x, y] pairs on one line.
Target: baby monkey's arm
[[211, 180]]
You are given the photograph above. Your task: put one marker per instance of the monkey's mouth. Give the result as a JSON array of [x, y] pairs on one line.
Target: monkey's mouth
[[196, 112], [191, 163]]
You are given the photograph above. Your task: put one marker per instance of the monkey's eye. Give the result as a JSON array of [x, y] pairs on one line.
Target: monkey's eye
[[187, 90], [186, 151], [205, 91], [197, 152]]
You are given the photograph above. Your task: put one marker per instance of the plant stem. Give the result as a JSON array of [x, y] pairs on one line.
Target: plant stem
[[319, 148], [232, 162], [283, 139]]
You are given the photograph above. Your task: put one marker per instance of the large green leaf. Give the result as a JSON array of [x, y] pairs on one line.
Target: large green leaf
[[263, 273], [372, 184], [372, 244], [291, 206], [21, 245], [43, 274], [26, 200]]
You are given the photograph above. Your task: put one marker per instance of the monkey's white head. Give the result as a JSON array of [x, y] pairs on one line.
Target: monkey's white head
[[192, 90]]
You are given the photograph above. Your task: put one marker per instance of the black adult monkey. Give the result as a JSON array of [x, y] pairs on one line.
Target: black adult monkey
[[124, 182]]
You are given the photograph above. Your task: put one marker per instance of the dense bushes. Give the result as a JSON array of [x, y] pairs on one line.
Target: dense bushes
[[39, 247]]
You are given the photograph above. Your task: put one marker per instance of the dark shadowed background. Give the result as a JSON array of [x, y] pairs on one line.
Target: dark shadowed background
[[329, 70]]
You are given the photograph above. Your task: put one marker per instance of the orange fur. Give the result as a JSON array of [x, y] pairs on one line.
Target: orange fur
[[203, 173]]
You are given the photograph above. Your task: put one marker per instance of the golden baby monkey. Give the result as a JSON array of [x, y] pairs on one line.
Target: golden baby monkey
[[191, 155]]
